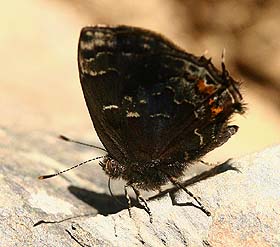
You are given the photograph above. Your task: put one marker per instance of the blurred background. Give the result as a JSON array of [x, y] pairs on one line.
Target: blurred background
[[40, 93]]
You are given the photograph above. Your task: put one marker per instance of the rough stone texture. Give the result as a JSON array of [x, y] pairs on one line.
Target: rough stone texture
[[244, 205], [245, 212]]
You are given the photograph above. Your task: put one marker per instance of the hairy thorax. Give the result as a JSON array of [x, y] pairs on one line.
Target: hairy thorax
[[144, 175]]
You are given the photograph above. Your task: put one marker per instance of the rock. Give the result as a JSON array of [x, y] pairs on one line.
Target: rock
[[244, 206]]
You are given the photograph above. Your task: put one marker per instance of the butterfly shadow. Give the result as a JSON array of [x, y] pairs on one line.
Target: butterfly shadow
[[216, 170], [105, 204]]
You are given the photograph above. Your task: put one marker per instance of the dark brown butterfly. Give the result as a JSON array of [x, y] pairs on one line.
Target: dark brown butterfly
[[155, 107]]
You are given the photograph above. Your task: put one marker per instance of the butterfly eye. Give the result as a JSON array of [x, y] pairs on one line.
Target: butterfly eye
[[112, 168]]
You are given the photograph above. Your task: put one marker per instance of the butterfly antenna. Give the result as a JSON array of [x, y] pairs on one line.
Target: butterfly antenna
[[75, 166], [65, 138]]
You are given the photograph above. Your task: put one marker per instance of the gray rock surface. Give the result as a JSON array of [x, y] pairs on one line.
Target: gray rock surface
[[244, 205]]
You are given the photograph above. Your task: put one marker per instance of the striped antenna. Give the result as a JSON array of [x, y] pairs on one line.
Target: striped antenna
[[75, 166]]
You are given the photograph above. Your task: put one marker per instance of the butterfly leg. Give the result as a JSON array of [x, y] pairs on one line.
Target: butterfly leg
[[142, 202], [180, 186], [128, 200]]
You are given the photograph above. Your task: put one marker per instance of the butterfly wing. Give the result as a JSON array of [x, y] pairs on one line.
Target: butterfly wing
[[148, 99]]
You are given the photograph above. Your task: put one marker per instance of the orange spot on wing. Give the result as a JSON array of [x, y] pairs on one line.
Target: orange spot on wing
[[204, 88], [216, 110], [211, 101]]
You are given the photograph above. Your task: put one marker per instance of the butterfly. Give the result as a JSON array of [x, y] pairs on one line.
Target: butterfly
[[155, 107]]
